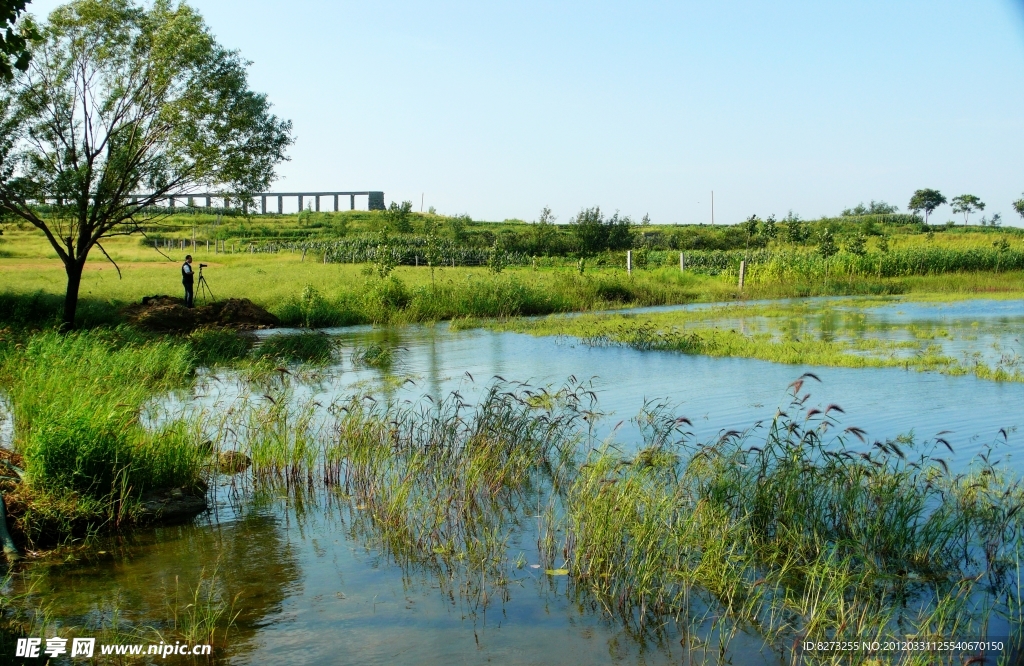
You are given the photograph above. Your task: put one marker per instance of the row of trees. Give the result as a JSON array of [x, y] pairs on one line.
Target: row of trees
[[927, 201]]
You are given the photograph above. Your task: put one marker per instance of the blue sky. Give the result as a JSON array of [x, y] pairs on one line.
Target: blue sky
[[497, 109]]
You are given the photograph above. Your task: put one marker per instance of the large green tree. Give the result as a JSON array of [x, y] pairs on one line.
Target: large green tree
[[967, 204], [926, 200], [14, 38], [1018, 206], [120, 100]]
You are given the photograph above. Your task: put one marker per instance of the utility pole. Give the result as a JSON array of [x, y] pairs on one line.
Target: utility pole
[[712, 208], [421, 202]]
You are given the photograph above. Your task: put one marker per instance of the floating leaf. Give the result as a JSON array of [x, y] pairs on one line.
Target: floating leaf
[[557, 572]]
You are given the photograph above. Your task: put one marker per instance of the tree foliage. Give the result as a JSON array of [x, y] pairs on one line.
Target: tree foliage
[[122, 100], [926, 200], [15, 37], [593, 233], [967, 204], [827, 243], [873, 208], [399, 217]]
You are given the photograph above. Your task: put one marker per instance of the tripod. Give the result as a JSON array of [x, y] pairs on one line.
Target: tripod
[[204, 288]]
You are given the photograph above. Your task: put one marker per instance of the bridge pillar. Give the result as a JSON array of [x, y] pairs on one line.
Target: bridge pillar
[[263, 205], [190, 202], [317, 203], [171, 201], [352, 201], [280, 205], [207, 202], [300, 203], [335, 203]]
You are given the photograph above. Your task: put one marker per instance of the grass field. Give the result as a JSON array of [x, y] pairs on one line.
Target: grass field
[[305, 291]]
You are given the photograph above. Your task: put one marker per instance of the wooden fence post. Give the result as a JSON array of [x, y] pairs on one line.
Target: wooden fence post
[[743, 272], [629, 262], [682, 262]]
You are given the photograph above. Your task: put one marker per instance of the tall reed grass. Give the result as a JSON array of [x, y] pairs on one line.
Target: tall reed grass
[[795, 530]]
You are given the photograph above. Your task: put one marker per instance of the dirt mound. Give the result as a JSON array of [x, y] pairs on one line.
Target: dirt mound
[[169, 314]]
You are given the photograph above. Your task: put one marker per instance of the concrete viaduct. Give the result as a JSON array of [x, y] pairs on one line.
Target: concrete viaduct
[[375, 200]]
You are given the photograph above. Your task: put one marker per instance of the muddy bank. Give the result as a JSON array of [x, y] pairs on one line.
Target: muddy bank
[[168, 314]]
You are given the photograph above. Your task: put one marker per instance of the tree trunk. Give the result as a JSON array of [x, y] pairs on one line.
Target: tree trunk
[[74, 271]]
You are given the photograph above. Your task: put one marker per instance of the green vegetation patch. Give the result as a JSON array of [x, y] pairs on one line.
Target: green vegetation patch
[[300, 348], [793, 333], [77, 402]]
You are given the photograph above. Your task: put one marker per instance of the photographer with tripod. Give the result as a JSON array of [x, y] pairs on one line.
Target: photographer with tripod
[[187, 278]]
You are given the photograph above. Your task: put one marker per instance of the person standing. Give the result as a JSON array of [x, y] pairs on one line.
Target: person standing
[[187, 276]]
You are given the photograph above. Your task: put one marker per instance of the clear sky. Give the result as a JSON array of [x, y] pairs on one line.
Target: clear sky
[[499, 108]]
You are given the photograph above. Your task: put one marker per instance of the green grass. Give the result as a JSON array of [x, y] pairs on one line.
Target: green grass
[[312, 294], [77, 402], [301, 348], [794, 529]]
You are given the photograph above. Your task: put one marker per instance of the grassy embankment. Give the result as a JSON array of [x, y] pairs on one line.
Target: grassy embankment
[[306, 292]]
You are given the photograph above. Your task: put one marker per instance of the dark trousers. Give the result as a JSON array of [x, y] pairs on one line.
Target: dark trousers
[[189, 299]]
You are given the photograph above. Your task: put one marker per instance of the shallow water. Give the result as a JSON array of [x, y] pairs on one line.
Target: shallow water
[[313, 589]]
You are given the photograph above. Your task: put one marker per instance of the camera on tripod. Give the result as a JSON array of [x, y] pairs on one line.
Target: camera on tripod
[[204, 287]]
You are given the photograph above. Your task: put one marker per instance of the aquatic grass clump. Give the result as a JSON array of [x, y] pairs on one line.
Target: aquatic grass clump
[[299, 348], [217, 346], [816, 334], [448, 479], [797, 533], [373, 356]]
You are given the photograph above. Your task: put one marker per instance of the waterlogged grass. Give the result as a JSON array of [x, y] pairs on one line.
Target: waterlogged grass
[[302, 348], [791, 531], [794, 530], [826, 334], [795, 533]]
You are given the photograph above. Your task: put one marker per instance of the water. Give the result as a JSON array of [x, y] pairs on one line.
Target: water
[[311, 588]]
